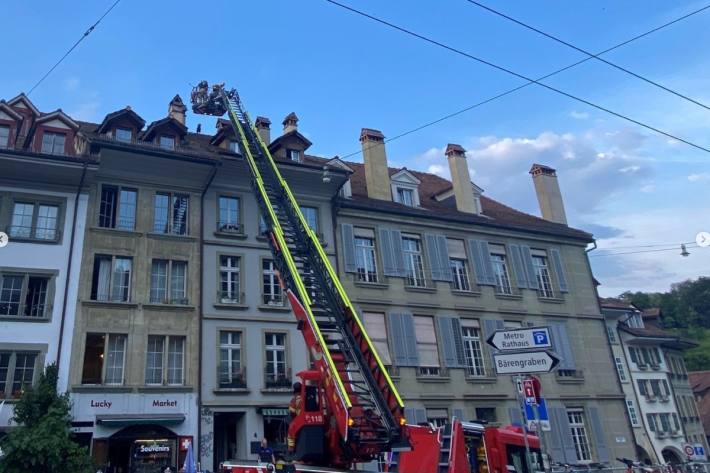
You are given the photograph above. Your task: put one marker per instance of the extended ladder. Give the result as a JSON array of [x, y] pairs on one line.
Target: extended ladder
[[373, 419]]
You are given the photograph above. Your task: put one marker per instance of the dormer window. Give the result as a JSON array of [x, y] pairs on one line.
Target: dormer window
[[123, 134], [53, 143], [167, 142], [4, 136], [293, 155], [405, 196], [234, 146]]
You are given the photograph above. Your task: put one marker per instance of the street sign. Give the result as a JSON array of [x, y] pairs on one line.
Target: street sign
[[530, 338], [699, 452], [529, 392], [688, 449], [525, 362], [542, 413]]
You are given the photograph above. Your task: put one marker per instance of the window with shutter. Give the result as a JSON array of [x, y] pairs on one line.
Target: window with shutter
[[599, 439], [562, 346], [438, 254], [529, 267], [392, 254], [521, 278], [482, 265], [377, 330], [426, 346], [348, 251], [559, 269]]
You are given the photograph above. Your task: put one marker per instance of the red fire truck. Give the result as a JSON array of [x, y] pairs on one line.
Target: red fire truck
[[351, 411]]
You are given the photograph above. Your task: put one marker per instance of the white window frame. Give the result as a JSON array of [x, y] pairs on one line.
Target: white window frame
[[611, 333], [499, 260], [427, 343], [230, 272], [459, 273], [108, 354], [620, 369], [271, 292], [271, 367], [578, 430], [365, 259], [117, 135], [168, 283], [542, 274], [52, 141], [294, 155], [4, 136], [120, 194], [473, 349], [111, 296], [231, 346], [309, 210], [9, 380], [413, 261], [633, 413], [167, 142], [233, 221], [42, 307], [170, 220]]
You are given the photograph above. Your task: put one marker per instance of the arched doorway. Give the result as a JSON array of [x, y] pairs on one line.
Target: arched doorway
[[672, 456], [643, 455], [142, 449]]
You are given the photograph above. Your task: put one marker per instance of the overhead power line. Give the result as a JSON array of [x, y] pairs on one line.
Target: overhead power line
[[614, 248], [529, 81], [676, 248], [83, 37], [591, 55]]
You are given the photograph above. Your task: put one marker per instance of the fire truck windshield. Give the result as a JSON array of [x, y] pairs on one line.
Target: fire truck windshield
[[516, 459]]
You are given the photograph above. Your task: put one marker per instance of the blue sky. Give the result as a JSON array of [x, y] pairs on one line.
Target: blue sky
[[340, 73]]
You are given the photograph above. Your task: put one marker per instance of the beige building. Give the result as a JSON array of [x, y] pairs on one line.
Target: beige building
[[134, 371], [435, 268]]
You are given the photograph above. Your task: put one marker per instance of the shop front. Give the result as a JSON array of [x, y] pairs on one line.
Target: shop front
[[136, 433]]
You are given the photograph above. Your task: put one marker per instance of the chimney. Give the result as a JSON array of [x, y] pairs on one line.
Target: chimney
[[548, 193], [176, 109], [460, 178], [263, 125], [377, 175], [290, 123]]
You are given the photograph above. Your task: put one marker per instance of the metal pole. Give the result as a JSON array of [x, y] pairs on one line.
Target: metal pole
[[541, 436], [517, 381]]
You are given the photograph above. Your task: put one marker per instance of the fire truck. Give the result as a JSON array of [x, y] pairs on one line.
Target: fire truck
[[351, 412]]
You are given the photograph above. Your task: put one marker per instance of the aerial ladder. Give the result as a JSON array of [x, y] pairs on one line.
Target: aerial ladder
[[351, 409]]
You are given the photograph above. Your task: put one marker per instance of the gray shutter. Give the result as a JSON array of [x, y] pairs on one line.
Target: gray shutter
[[445, 264], [482, 266], [348, 248], [565, 433], [420, 416], [410, 414], [562, 345], [410, 339], [556, 448], [515, 415], [392, 257], [529, 268], [458, 341], [489, 327], [397, 252], [559, 269], [459, 414], [517, 259], [398, 339], [597, 428], [438, 255], [447, 341]]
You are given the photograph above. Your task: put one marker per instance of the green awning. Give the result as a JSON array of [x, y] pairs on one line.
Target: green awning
[[274, 411], [121, 420]]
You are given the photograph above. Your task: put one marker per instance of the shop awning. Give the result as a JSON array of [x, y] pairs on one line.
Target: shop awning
[[120, 420], [274, 411]]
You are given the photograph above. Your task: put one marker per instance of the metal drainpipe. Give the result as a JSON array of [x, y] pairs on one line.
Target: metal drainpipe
[[200, 308], [69, 265]]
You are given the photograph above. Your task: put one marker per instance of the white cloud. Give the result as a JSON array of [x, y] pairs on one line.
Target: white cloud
[[71, 84], [86, 111], [630, 169], [701, 177], [578, 115], [439, 170], [648, 188]]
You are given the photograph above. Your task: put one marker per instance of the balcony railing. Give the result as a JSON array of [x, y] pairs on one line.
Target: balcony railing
[[277, 380], [237, 380]]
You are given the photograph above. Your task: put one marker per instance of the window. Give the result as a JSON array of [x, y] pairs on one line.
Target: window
[[651, 419], [53, 143], [24, 295], [471, 334], [611, 333], [111, 280], [377, 330], [275, 347], [665, 419], [17, 371], [233, 146], [104, 359], [426, 346], [38, 221], [579, 434], [123, 134], [500, 269], [167, 142], [4, 136], [271, 288], [412, 247], [676, 425], [643, 390], [365, 256], [437, 417], [633, 414], [168, 280], [311, 216], [635, 321], [263, 228], [165, 367], [460, 275], [231, 374], [487, 414], [542, 274], [293, 155], [170, 213], [117, 208], [405, 196], [229, 285], [620, 369], [229, 215], [656, 388]]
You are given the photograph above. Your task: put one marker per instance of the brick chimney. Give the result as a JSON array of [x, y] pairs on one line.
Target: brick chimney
[[548, 193], [177, 109], [290, 123], [377, 175], [263, 125], [460, 179]]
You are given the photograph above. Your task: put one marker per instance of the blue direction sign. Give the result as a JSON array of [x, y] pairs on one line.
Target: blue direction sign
[[542, 413]]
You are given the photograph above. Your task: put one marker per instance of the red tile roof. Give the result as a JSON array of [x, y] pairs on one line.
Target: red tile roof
[[614, 303], [700, 382]]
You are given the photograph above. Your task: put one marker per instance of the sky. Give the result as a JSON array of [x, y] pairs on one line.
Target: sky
[[633, 188]]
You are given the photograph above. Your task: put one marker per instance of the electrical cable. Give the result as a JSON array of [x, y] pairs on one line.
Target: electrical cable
[[591, 55], [86, 33], [598, 255], [515, 89], [614, 248]]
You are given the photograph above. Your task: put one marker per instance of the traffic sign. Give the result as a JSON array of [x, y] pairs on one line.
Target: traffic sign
[[688, 449], [699, 453], [529, 338], [540, 361], [542, 414], [529, 392]]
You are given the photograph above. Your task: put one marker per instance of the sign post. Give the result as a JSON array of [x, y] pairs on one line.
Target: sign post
[[517, 380]]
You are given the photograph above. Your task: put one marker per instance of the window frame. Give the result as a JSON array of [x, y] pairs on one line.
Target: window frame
[[316, 212], [54, 135], [94, 295], [236, 271], [621, 369], [285, 380], [291, 152], [578, 431], [13, 352], [230, 346], [236, 227], [379, 339], [427, 369], [117, 131], [26, 275], [170, 221], [170, 299], [401, 192], [460, 275], [363, 253], [6, 144], [163, 145], [499, 260], [541, 267], [469, 342], [415, 275], [117, 206], [36, 201], [276, 296], [165, 360], [633, 413], [105, 357]]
